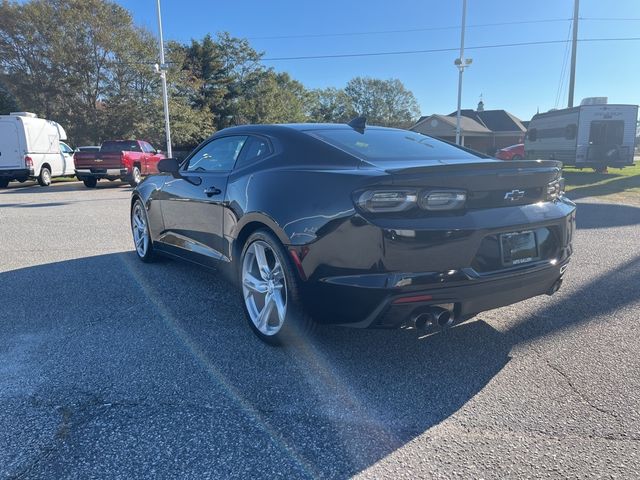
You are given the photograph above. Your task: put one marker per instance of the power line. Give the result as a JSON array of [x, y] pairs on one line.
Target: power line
[[429, 29], [563, 71], [453, 49], [611, 19], [408, 30]]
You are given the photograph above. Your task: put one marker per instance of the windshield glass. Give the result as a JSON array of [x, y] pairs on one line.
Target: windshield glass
[[120, 146], [391, 144]]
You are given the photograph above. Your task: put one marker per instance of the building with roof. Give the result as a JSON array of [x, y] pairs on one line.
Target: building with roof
[[482, 130]]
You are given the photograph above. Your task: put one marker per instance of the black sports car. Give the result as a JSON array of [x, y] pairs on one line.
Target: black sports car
[[357, 225]]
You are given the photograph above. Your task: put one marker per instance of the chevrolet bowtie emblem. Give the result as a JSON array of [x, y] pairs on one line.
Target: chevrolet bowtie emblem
[[514, 195]]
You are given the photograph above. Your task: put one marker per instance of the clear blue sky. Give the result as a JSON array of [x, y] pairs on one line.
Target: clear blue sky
[[517, 79]]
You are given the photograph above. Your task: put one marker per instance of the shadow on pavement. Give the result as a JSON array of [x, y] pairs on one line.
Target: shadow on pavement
[[162, 350], [606, 215], [34, 205], [30, 188]]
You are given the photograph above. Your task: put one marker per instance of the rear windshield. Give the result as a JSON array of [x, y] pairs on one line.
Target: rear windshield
[[120, 146], [391, 144]]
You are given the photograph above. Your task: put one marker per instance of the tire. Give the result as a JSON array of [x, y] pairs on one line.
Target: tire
[[136, 177], [140, 231], [90, 182], [44, 179], [4, 182], [272, 302], [516, 157]]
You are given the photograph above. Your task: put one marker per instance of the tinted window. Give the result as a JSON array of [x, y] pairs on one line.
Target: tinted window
[[149, 148], [532, 135], [255, 149], [121, 146], [570, 131], [218, 155], [391, 144]]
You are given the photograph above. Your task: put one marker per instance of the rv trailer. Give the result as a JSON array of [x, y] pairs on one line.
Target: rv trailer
[[588, 136]]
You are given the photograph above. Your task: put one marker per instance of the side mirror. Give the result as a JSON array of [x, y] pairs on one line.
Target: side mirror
[[169, 165]]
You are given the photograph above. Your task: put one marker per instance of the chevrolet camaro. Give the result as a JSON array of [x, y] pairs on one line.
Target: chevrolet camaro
[[358, 225]]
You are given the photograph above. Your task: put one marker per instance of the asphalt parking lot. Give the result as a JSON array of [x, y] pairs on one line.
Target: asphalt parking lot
[[110, 368]]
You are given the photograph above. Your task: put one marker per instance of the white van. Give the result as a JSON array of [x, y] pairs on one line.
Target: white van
[[32, 147]]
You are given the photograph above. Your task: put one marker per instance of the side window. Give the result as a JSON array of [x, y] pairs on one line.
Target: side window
[[256, 149], [219, 155], [570, 131], [64, 148], [532, 134]]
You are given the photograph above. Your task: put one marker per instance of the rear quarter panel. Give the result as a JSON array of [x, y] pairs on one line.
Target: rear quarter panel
[[301, 202]]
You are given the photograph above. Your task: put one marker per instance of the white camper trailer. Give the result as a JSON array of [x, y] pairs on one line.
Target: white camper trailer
[[594, 135], [32, 147]]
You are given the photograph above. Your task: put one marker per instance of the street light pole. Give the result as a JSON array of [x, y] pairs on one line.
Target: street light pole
[[461, 63], [574, 48], [163, 76]]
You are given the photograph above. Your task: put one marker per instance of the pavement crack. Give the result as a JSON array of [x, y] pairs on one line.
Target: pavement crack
[[577, 391]]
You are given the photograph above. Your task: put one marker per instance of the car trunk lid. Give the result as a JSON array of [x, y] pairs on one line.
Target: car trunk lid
[[488, 183]]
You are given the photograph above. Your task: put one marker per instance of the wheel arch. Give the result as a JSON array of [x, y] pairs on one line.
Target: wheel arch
[[249, 224]]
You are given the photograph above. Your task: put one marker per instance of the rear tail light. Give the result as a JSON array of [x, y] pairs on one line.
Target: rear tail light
[[28, 162], [555, 190], [386, 201], [400, 200], [443, 200]]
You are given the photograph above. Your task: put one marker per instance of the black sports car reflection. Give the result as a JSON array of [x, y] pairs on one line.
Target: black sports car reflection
[[355, 225]]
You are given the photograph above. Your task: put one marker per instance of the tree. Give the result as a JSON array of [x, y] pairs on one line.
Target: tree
[[383, 102], [274, 98], [330, 105], [66, 59], [8, 102]]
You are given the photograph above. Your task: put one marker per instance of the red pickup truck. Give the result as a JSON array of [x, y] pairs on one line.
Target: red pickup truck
[[127, 160]]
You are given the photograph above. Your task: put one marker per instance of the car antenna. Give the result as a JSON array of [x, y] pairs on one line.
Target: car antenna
[[358, 124]]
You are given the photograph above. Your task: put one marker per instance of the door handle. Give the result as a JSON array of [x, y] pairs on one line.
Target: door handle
[[211, 191]]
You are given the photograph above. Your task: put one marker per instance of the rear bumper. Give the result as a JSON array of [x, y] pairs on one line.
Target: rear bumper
[[384, 276], [472, 297], [16, 173], [98, 173]]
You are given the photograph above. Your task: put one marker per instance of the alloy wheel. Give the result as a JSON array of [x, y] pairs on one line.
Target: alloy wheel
[[140, 230], [264, 288]]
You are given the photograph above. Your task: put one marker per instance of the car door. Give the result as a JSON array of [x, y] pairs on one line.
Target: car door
[[193, 205], [153, 157], [66, 154]]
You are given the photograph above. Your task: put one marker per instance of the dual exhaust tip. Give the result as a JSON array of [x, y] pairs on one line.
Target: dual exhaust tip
[[433, 317]]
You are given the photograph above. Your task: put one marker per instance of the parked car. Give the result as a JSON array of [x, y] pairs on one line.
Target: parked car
[[592, 135], [127, 160], [360, 226], [513, 152], [32, 148]]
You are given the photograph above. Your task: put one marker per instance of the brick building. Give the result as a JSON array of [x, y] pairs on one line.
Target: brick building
[[483, 130]]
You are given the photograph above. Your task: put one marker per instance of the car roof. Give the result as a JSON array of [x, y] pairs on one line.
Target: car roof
[[300, 127]]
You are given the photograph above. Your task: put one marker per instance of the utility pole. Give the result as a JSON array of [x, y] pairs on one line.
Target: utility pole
[[461, 63], [162, 70], [574, 47]]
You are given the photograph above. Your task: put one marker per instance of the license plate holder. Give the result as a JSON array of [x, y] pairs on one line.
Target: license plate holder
[[518, 248]]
